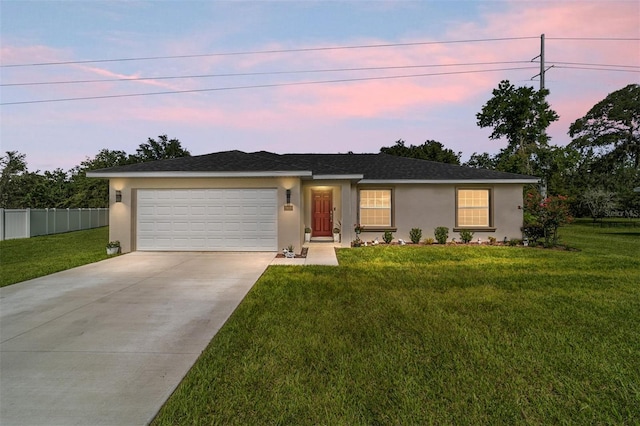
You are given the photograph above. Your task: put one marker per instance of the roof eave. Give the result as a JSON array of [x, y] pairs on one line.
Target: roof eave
[[447, 181], [338, 177], [183, 174]]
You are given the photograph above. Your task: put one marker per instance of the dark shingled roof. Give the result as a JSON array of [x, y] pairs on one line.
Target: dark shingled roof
[[370, 166], [227, 161], [391, 167]]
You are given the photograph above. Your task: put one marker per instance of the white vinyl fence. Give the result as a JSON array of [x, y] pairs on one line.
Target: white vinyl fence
[[26, 223]]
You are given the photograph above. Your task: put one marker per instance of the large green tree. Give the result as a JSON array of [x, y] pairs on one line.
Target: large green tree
[[13, 166], [20, 188], [611, 128], [521, 115], [161, 149], [608, 140], [482, 161], [89, 192], [430, 150]]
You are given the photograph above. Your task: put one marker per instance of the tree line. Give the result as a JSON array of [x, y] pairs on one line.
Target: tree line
[[20, 188], [597, 172]]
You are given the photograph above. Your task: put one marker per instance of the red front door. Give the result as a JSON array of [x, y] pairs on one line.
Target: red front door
[[322, 216]]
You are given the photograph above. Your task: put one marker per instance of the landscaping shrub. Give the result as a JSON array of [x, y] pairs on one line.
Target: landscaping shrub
[[387, 237], [466, 236], [441, 233], [548, 214], [415, 235], [429, 241]]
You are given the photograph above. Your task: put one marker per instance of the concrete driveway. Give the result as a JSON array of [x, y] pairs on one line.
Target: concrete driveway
[[107, 343]]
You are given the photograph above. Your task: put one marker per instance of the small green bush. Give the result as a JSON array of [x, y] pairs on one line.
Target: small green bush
[[466, 236], [415, 235], [441, 233], [514, 242], [429, 241], [387, 237], [492, 240]]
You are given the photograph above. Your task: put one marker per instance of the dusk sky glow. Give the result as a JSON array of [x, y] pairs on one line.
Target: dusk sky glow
[[294, 76]]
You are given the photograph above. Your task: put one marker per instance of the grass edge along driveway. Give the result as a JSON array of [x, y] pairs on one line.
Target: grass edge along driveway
[[27, 258], [431, 335]]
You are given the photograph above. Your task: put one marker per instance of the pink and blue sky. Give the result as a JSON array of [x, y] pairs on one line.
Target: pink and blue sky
[[432, 40]]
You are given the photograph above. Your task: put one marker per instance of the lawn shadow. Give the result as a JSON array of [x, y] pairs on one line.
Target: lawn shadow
[[624, 234]]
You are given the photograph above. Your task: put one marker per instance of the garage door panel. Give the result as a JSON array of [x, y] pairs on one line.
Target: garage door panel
[[180, 227], [161, 210], [198, 210], [199, 226], [164, 195], [165, 226], [214, 210], [232, 210], [216, 226], [232, 226], [250, 211], [251, 227], [207, 219]]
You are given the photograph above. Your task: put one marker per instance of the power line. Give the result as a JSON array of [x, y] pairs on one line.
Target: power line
[[261, 86], [312, 49], [594, 68], [248, 74], [594, 38], [260, 52], [593, 65], [559, 64]]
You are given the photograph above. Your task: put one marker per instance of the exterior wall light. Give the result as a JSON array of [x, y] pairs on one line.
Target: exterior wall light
[[288, 205], [118, 196]]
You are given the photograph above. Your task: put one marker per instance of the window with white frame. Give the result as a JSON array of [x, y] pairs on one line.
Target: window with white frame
[[473, 208], [375, 207]]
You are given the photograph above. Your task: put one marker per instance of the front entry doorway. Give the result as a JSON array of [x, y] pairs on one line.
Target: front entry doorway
[[322, 214]]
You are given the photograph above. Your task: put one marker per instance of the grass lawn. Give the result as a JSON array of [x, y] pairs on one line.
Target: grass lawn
[[28, 258], [431, 335]]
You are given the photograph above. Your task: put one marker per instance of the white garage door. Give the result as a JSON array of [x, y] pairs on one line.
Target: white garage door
[[207, 220]]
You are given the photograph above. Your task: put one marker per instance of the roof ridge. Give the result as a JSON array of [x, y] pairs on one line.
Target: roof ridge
[[337, 170], [458, 165], [270, 155]]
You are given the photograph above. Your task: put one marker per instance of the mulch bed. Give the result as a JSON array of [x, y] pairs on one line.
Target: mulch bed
[[558, 247]]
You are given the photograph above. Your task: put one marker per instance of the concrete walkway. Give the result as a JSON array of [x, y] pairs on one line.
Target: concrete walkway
[[318, 254], [107, 343]]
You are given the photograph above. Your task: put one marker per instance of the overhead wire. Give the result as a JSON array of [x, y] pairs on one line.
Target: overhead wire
[[594, 68], [259, 52], [261, 73], [262, 86], [559, 64], [593, 65], [594, 38]]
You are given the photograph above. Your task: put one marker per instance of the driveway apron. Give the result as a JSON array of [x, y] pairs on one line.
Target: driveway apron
[[107, 343]]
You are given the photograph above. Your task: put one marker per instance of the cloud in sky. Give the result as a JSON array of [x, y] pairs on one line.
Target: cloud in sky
[[332, 117]]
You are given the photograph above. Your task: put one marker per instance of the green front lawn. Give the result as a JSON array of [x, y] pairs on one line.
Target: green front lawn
[[28, 258], [431, 335]]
